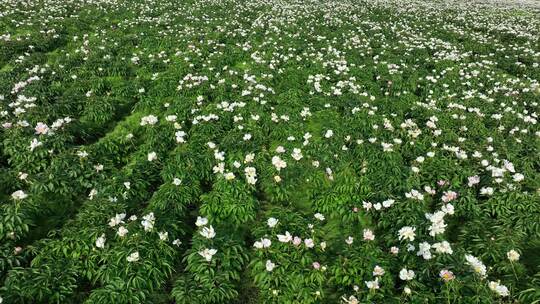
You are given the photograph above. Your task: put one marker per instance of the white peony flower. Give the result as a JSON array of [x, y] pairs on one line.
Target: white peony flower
[[406, 275], [424, 250], [512, 255], [34, 144], [122, 231], [270, 266], [100, 242], [152, 156], [500, 289], [117, 219], [372, 285], [319, 216], [263, 243], [285, 238], [207, 254], [476, 265], [278, 163], [201, 221], [378, 271], [208, 232], [19, 195], [164, 235], [149, 120], [134, 257], [272, 222], [329, 133], [442, 247], [407, 232]]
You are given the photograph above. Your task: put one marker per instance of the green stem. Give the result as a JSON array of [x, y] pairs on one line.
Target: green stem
[[514, 270]]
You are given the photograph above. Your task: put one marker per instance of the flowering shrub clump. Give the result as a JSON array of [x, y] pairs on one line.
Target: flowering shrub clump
[[227, 151]]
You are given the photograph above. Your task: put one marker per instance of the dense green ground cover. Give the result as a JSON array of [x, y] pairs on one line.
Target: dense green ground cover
[[227, 151]]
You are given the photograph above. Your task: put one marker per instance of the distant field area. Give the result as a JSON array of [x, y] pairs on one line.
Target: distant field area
[[269, 151]]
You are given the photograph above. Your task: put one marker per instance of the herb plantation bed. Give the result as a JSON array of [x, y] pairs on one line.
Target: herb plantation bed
[[227, 151]]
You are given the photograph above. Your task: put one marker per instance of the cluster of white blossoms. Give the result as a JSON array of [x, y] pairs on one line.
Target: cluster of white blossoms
[[415, 195], [262, 243], [377, 273], [180, 137], [437, 219], [149, 120], [117, 219], [378, 206], [148, 221], [498, 288], [251, 175], [278, 163], [208, 233]]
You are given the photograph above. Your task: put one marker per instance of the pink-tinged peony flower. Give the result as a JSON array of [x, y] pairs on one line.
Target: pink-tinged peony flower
[[41, 128], [449, 196], [446, 275], [369, 235], [316, 265], [473, 180], [378, 271]]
